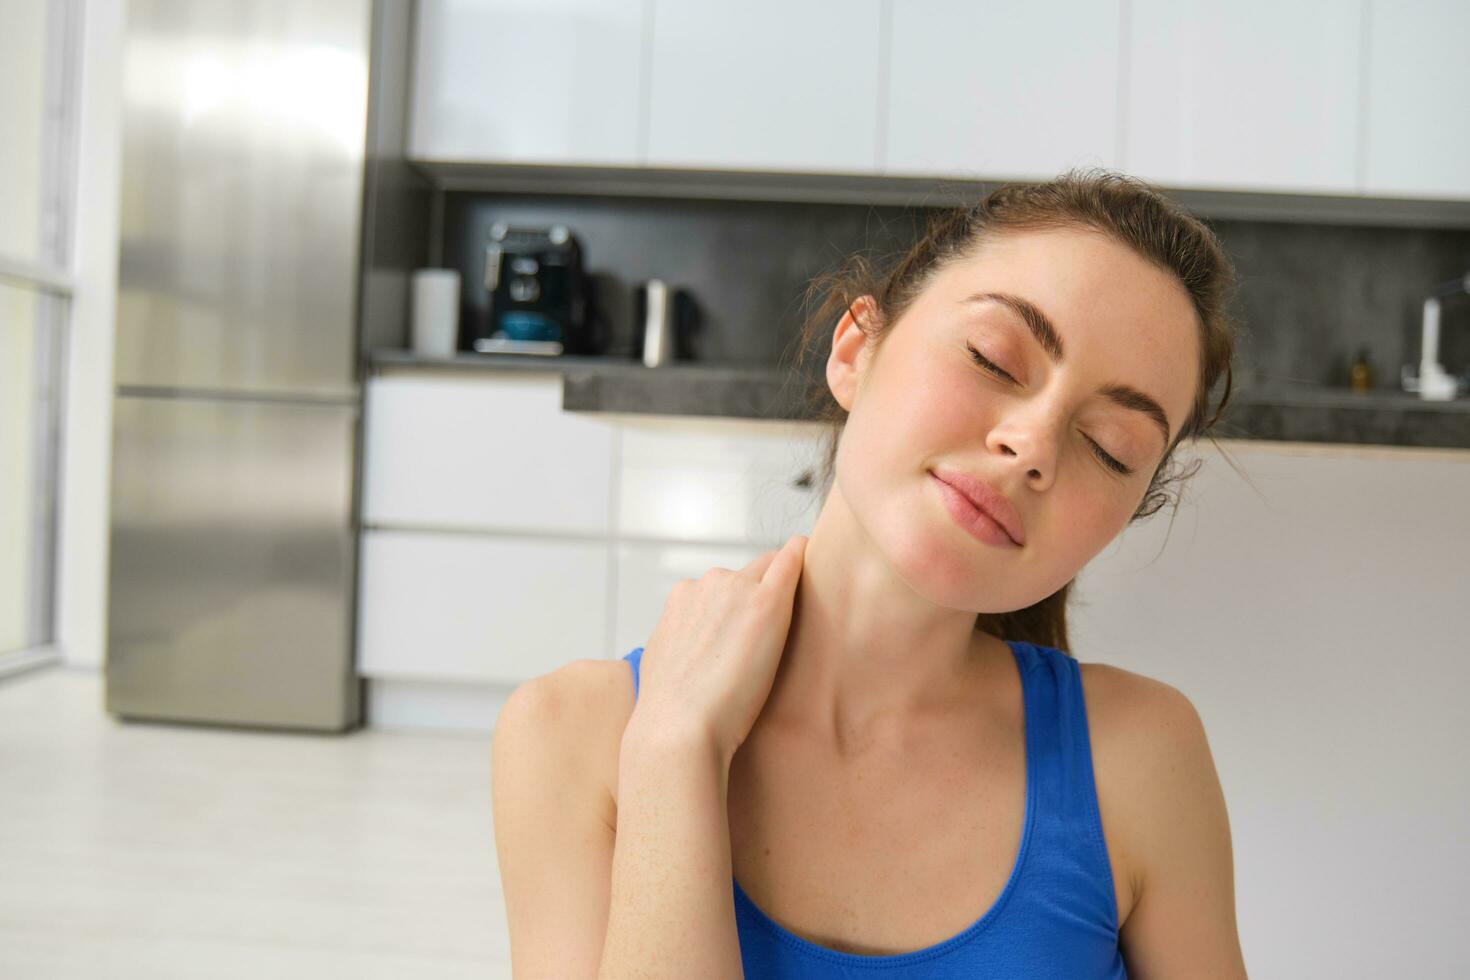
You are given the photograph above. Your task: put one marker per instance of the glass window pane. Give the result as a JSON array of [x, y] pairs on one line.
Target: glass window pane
[[30, 321], [31, 114]]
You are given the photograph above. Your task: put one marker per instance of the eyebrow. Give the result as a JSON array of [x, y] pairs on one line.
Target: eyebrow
[[1045, 333]]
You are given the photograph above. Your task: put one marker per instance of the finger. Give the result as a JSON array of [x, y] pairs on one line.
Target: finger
[[785, 568], [757, 566]]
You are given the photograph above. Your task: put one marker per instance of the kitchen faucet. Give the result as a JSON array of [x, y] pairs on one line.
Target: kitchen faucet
[[1434, 383]]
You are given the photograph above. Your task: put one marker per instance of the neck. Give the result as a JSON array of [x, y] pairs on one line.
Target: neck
[[865, 651]]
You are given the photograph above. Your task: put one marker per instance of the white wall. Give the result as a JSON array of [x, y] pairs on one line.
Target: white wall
[[81, 596], [1316, 616]]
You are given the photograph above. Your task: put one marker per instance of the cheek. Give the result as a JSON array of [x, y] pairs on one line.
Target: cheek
[[944, 413], [907, 420], [1089, 522]]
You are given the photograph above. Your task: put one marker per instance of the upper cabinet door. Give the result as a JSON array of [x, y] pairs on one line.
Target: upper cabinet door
[[1002, 90], [1245, 94], [784, 85], [528, 81], [1418, 125]]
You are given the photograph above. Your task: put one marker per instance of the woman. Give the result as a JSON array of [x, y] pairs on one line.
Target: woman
[[868, 753]]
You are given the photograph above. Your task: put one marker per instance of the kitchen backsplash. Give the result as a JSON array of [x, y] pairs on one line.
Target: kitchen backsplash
[[1310, 295]]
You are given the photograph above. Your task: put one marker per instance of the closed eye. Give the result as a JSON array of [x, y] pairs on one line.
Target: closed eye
[[1101, 453], [1108, 460], [987, 363]]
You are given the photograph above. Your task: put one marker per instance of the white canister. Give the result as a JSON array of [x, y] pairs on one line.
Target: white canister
[[658, 324], [435, 318]]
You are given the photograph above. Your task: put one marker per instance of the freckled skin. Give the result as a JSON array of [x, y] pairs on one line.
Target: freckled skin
[[926, 402], [889, 709]]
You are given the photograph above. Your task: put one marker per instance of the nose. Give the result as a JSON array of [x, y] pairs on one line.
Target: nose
[[1028, 441]]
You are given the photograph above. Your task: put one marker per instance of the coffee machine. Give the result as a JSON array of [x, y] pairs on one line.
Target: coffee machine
[[540, 297]]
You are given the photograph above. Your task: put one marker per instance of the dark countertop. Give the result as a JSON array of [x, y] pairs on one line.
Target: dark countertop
[[1267, 410]]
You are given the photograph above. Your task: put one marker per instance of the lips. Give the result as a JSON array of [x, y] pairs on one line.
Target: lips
[[986, 499]]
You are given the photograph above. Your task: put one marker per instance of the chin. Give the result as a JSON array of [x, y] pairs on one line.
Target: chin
[[943, 564]]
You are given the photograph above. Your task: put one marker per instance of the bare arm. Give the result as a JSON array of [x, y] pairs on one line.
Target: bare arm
[[706, 671], [1183, 923], [554, 820], [597, 889], [672, 906]]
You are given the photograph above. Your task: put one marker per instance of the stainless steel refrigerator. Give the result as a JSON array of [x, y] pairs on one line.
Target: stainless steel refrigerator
[[268, 225]]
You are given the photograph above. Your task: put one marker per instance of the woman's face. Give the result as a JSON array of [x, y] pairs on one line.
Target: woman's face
[[923, 401]]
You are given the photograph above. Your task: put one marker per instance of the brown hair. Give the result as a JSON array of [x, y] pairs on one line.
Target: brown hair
[[1124, 207]]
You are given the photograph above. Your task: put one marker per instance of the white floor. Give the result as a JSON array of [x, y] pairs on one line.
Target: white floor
[[140, 850]]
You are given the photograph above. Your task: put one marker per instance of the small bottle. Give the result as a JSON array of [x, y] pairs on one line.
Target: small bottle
[[1362, 371]]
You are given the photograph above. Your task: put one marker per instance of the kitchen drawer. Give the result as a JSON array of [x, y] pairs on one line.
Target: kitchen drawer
[[647, 571], [492, 451], [478, 607], [718, 480]]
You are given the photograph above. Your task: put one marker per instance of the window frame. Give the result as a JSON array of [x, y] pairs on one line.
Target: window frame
[[50, 279]]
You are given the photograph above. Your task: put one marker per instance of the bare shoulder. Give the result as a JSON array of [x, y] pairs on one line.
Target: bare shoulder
[[1146, 737], [1126, 706], [555, 742], [600, 686], [576, 712], [1165, 818]]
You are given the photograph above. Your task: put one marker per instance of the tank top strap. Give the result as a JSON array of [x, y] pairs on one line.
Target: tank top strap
[[1059, 759], [1061, 895], [634, 657], [1068, 822]]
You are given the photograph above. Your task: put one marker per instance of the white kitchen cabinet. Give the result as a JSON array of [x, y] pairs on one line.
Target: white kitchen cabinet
[[1319, 96], [528, 81], [783, 85], [488, 451], [1418, 104], [497, 529], [696, 494], [1246, 94], [504, 537], [648, 570], [1009, 89], [717, 480], [478, 607]]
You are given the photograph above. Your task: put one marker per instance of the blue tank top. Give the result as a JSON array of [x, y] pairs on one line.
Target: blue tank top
[[1057, 915]]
